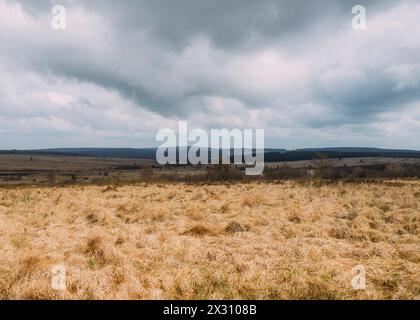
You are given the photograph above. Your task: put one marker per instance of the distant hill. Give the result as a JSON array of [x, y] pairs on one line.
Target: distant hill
[[314, 153], [146, 153], [271, 155], [357, 149]]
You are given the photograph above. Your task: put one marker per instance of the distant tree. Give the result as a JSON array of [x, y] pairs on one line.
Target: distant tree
[[324, 165], [322, 161], [223, 172]]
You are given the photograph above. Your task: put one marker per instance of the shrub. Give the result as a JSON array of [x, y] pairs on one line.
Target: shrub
[[147, 173], [284, 172], [357, 172], [394, 170], [223, 172], [198, 231], [234, 227]]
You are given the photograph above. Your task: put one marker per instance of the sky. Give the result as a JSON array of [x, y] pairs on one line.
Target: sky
[[123, 70]]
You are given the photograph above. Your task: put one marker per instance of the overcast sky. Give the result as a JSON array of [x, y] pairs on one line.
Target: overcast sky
[[122, 70]]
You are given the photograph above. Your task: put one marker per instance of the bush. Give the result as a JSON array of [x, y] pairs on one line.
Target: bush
[[394, 171], [284, 172], [223, 172], [147, 173], [357, 172]]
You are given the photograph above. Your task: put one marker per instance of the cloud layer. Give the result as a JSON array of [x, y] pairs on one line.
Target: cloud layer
[[123, 70]]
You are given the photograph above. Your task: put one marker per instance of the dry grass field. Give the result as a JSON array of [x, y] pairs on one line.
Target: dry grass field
[[285, 240]]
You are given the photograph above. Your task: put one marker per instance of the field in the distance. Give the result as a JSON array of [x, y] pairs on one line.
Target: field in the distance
[[49, 170], [286, 240]]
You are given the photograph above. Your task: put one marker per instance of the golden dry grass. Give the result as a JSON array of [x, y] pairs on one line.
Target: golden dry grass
[[239, 241]]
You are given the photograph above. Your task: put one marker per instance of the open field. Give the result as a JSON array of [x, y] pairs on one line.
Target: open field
[[284, 240], [349, 162], [48, 170]]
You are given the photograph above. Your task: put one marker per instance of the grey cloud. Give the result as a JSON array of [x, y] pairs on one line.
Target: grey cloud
[[228, 23], [144, 58], [375, 94]]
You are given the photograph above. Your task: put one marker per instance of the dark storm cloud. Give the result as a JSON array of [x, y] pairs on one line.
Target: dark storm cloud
[[228, 23]]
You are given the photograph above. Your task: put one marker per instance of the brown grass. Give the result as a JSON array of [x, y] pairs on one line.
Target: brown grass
[[237, 241]]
